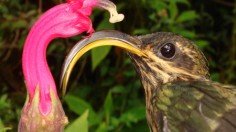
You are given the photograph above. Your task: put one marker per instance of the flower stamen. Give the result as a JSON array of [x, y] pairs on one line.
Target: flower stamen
[[111, 7]]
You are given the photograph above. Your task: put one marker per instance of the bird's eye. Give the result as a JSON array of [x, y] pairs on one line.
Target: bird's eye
[[168, 50]]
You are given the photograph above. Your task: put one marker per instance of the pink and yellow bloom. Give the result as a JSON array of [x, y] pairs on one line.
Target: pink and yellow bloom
[[43, 110]]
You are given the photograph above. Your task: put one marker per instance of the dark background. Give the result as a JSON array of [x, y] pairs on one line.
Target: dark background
[[104, 80]]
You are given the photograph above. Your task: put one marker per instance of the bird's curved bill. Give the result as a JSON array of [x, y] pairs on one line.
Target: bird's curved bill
[[101, 38]]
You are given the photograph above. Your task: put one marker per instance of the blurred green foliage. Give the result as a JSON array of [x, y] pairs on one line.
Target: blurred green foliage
[[104, 91]]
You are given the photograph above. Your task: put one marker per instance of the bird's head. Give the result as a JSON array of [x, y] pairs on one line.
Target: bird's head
[[168, 57], [158, 58]]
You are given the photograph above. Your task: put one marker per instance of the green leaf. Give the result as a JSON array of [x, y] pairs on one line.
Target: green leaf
[[3, 128], [98, 54], [78, 106], [119, 89], [4, 104], [187, 16], [215, 76], [157, 5], [80, 124], [188, 34], [173, 10], [102, 127], [140, 31], [1, 125], [108, 105], [134, 115], [184, 32], [19, 24], [202, 44], [182, 1], [104, 24]]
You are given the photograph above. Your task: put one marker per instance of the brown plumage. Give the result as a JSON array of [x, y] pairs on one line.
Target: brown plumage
[[180, 96]]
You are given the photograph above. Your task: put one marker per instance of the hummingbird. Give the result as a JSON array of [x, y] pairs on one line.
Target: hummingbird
[[179, 94]]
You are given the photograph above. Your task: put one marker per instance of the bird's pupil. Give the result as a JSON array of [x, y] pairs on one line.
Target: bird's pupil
[[168, 50]]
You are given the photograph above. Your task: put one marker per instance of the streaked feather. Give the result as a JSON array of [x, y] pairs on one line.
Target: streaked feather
[[197, 106]]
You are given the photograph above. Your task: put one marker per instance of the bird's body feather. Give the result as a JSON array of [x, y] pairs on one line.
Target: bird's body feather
[[196, 106]]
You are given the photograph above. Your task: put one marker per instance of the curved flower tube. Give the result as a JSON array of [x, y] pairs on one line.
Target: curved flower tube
[[42, 110]]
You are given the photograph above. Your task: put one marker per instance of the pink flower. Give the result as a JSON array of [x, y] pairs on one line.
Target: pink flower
[[42, 110]]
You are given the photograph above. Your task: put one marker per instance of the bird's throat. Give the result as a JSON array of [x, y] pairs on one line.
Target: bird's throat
[[151, 83], [154, 116]]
